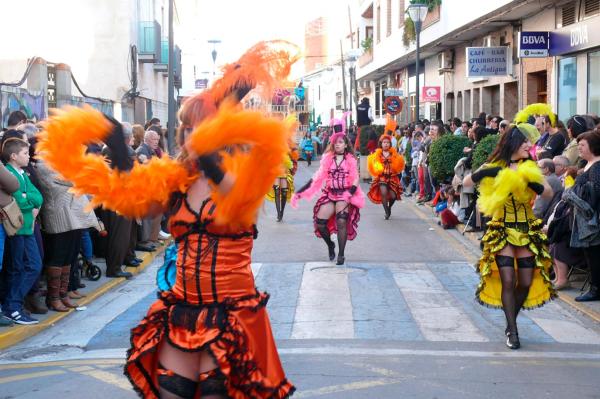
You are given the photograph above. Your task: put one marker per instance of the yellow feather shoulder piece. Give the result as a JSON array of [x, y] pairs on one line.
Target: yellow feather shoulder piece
[[495, 191], [257, 149], [135, 193], [535, 109], [374, 163]]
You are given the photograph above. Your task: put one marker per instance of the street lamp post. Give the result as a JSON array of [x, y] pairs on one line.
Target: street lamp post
[[417, 12]]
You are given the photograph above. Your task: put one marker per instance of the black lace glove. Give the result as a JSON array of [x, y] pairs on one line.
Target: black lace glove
[[119, 153], [304, 187], [209, 164], [485, 172], [352, 190], [537, 187]]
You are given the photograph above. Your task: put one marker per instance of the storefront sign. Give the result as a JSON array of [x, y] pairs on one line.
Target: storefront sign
[[533, 44], [488, 61], [431, 94], [392, 105], [575, 37], [393, 92]]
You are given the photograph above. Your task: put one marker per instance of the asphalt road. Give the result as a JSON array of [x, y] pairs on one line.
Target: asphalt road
[[398, 321]]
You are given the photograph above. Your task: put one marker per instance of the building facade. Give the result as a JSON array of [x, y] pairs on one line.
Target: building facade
[[113, 56], [568, 79]]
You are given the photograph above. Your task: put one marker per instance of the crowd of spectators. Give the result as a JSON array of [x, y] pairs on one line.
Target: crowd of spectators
[[568, 155], [45, 256]]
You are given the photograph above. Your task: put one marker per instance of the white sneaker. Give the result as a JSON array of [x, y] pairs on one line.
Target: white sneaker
[[163, 236]]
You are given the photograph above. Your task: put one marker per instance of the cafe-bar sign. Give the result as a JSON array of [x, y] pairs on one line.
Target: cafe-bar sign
[[485, 62]]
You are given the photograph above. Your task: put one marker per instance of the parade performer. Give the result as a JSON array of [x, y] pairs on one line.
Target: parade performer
[[385, 164], [337, 210], [308, 148], [283, 188], [508, 183], [209, 335]]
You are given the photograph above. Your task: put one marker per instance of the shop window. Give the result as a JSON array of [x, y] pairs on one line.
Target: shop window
[[567, 88], [593, 106]]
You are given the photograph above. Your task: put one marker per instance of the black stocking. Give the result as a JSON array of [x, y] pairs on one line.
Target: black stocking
[[174, 386], [525, 268], [507, 276], [341, 218], [308, 159], [321, 226], [284, 193], [384, 199], [277, 194], [392, 200]]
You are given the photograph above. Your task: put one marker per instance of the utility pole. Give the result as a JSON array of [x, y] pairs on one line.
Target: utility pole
[[343, 77], [171, 86]]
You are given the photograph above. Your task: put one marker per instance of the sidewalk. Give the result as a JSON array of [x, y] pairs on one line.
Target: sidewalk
[[590, 309], [10, 336]]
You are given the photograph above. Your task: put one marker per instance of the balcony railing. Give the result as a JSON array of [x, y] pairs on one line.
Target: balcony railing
[[149, 43]]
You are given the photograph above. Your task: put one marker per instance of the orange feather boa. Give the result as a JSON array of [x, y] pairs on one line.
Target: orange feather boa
[[134, 194]]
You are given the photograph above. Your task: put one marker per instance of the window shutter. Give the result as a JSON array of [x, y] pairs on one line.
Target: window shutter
[[591, 7], [569, 16]]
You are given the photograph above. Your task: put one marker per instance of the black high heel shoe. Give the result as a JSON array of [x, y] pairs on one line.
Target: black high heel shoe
[[331, 251], [340, 260], [513, 340]]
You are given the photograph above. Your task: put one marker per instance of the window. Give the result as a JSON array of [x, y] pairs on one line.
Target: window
[[338, 100], [567, 15], [593, 106], [567, 88], [378, 24], [377, 100], [388, 14], [401, 13]]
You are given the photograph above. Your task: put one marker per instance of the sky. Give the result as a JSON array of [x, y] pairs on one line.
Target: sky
[[239, 24]]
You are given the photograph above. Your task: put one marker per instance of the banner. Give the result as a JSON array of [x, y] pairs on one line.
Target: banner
[[488, 61], [431, 94]]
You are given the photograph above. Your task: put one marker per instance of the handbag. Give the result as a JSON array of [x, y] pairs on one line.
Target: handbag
[[12, 218]]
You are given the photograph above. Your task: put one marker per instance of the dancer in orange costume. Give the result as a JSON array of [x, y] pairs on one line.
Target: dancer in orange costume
[[210, 335], [385, 164]]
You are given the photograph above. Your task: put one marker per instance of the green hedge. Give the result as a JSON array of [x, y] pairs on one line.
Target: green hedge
[[445, 153], [484, 149]]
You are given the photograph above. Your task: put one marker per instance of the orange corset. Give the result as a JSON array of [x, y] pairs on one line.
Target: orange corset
[[212, 262]]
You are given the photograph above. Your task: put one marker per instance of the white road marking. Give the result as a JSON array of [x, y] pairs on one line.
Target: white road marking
[[256, 268], [324, 308], [437, 313], [562, 326]]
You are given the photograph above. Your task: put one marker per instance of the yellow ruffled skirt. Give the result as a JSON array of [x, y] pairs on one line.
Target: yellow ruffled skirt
[[290, 182], [497, 237]]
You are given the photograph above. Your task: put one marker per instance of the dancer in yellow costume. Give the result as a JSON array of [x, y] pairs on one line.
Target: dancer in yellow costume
[[508, 183], [283, 187]]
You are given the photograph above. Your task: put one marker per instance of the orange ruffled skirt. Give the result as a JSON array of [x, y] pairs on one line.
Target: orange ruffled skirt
[[393, 184], [237, 333]]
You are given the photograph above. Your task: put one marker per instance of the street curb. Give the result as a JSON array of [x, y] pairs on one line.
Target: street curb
[[18, 333], [592, 314]]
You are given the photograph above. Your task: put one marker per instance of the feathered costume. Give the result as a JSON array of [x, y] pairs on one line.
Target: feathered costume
[[288, 175], [334, 181], [214, 305], [385, 171], [507, 199]]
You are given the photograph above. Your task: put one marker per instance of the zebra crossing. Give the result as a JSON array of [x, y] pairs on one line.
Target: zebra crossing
[[400, 302]]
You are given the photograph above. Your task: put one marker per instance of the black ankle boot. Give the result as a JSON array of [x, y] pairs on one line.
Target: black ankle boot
[[512, 340], [331, 248]]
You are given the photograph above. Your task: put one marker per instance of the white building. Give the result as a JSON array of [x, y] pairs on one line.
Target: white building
[[116, 51]]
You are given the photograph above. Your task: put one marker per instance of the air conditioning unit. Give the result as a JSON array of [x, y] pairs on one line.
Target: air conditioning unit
[[491, 41], [446, 61]]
